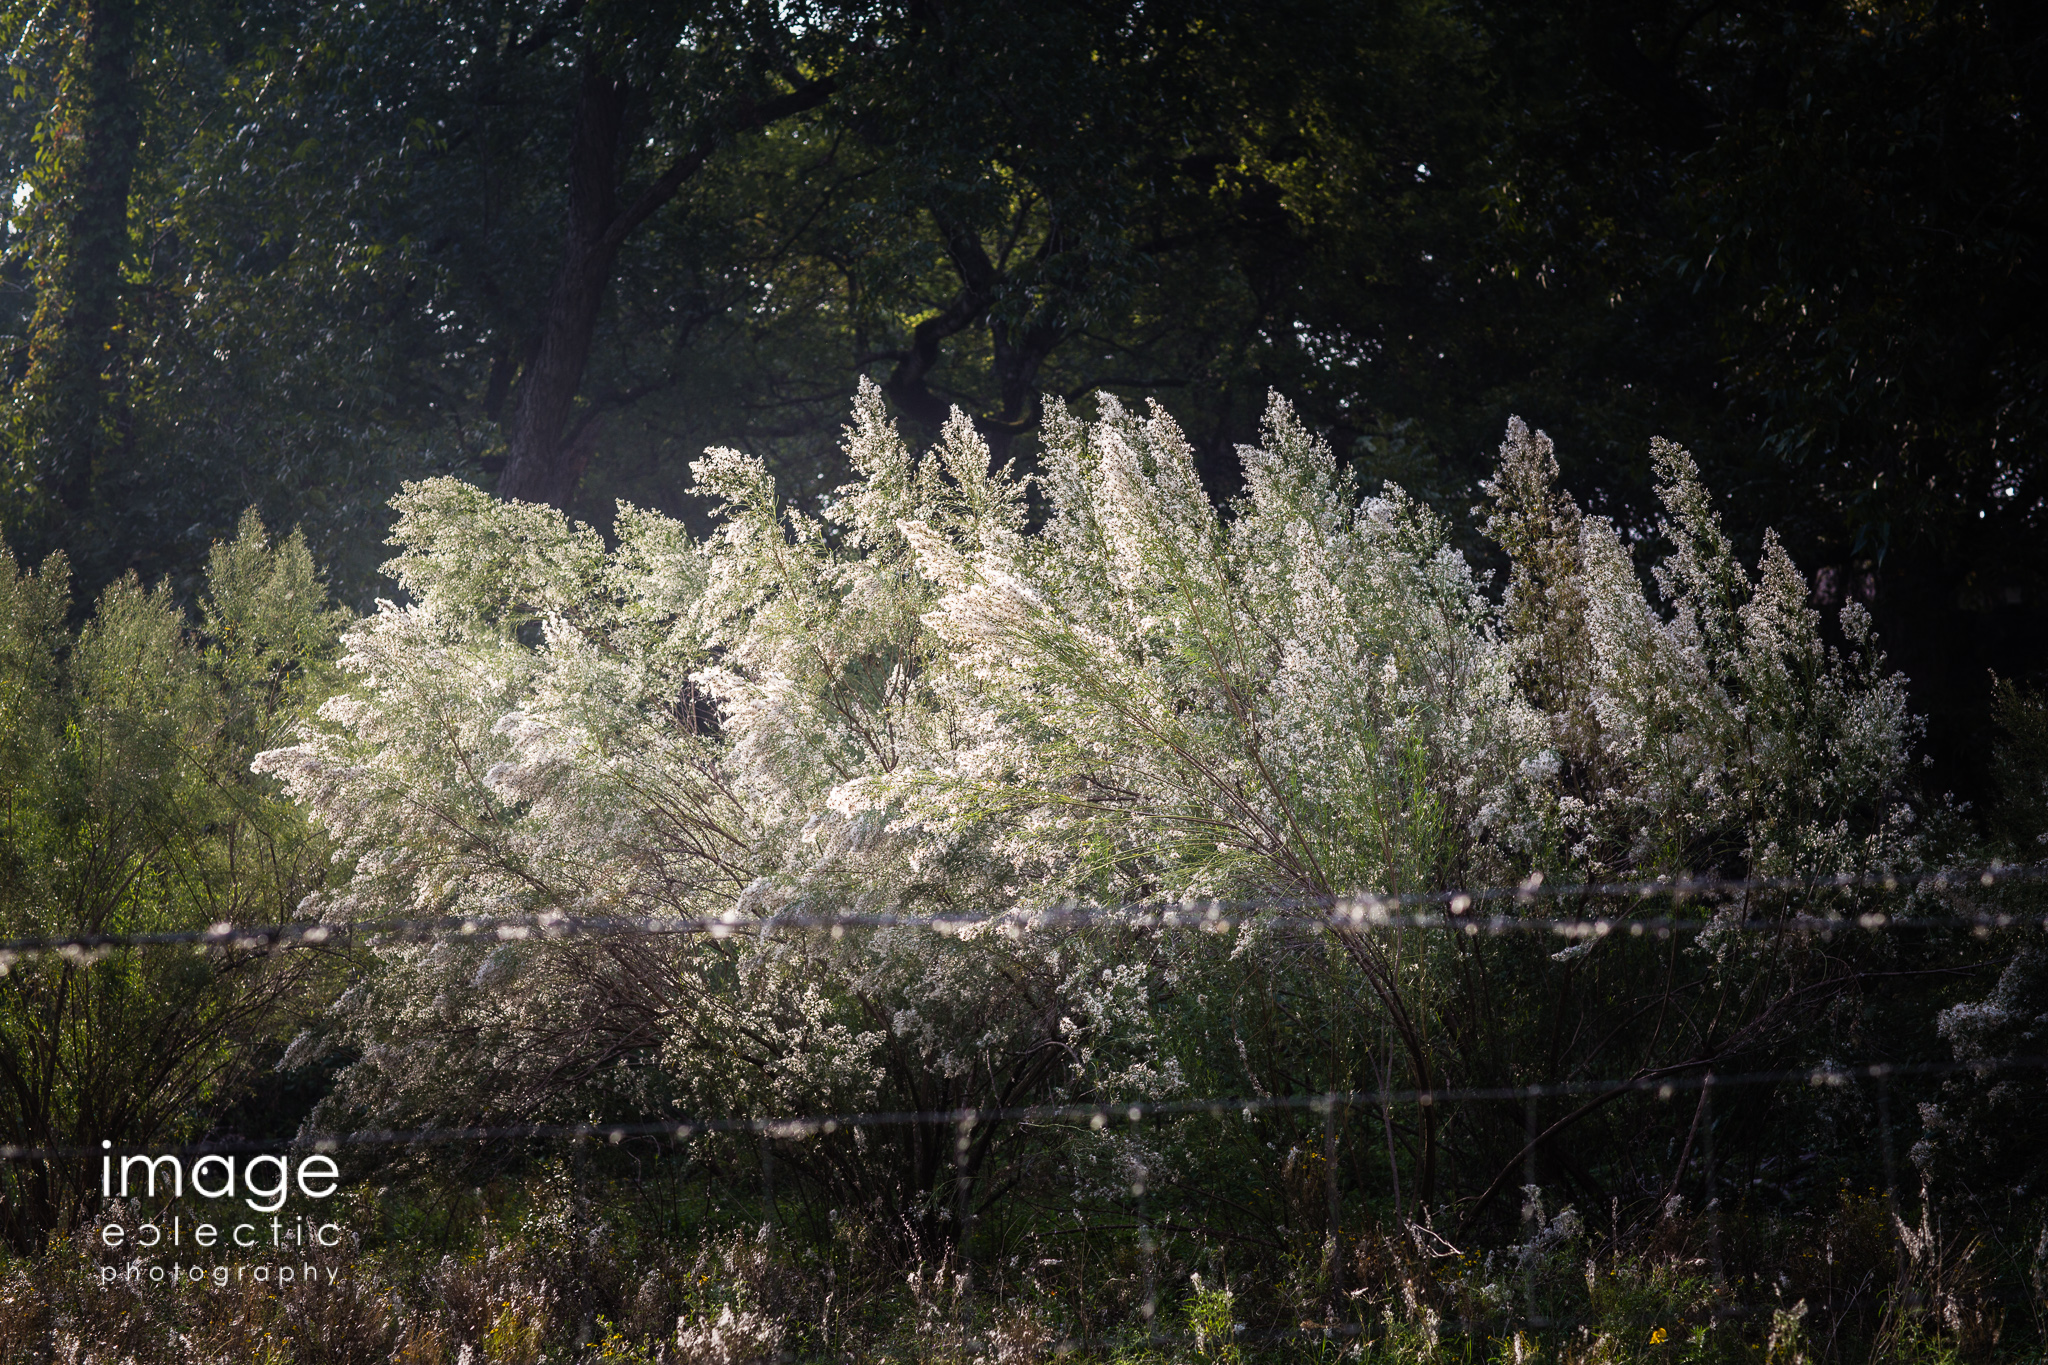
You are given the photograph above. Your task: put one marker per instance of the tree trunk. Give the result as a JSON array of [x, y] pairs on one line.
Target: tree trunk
[[1020, 349], [540, 466], [76, 332], [549, 442]]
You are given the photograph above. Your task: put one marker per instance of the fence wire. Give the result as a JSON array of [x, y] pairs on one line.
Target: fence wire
[[1357, 911], [1722, 905], [1664, 1083]]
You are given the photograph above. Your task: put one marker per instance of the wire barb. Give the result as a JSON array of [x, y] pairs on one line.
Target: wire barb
[[1095, 1115], [1358, 911]]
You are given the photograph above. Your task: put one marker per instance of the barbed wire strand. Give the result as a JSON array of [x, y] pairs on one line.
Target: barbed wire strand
[[1664, 1084], [1099, 1116], [1359, 911]]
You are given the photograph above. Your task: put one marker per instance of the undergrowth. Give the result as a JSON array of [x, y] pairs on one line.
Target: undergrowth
[[553, 1269]]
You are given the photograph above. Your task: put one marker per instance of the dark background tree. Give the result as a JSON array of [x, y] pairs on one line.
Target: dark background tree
[[563, 247], [71, 401]]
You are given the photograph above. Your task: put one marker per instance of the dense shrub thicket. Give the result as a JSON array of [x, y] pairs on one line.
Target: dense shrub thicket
[[127, 806], [920, 703], [961, 690]]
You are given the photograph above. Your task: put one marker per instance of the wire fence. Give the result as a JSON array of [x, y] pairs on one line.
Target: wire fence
[[1664, 1083], [1357, 911], [1721, 905], [1499, 1323]]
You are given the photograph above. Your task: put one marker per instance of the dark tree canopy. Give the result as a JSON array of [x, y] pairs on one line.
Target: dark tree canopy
[[290, 256]]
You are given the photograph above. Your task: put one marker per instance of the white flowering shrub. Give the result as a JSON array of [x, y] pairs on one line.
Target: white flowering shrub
[[1156, 700], [1718, 734], [1163, 701], [918, 703], [1980, 1137], [657, 731], [1306, 693], [744, 1338]]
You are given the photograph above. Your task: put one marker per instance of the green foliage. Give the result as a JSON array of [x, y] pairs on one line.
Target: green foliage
[[127, 806], [334, 266], [428, 1281], [70, 405], [1210, 1317], [2019, 766]]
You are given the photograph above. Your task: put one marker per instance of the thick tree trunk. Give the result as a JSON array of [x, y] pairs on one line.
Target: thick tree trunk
[[540, 466], [549, 442], [76, 332]]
